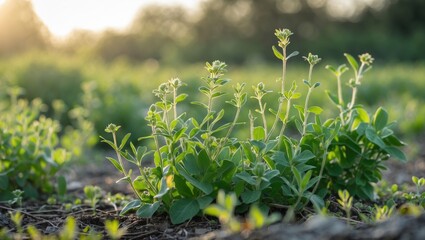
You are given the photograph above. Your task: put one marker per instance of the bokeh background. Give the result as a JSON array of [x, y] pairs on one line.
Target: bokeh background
[[97, 62]]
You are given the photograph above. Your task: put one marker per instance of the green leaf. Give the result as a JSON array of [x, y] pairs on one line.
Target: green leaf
[[380, 119], [270, 162], [147, 210], [315, 109], [394, 141], [259, 133], [374, 138], [277, 53], [246, 177], [181, 98], [352, 61], [164, 188], [332, 97], [191, 165], [204, 161], [317, 201], [182, 187], [256, 217], [215, 210], [249, 197], [304, 156], [130, 206], [280, 158], [207, 188], [227, 167], [124, 140], [293, 54], [395, 152], [200, 104], [248, 153], [331, 68], [204, 201], [183, 209], [237, 157], [297, 176], [116, 164], [363, 115], [305, 180]]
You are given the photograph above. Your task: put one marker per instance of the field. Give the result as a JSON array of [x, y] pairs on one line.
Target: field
[[85, 95]]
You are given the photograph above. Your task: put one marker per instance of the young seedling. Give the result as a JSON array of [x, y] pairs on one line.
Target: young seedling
[[17, 197], [17, 218], [93, 195], [113, 229], [383, 213], [345, 202]]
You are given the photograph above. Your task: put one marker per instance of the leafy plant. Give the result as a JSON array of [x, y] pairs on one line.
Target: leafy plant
[[17, 197], [113, 229], [196, 157], [345, 202], [418, 197], [383, 213], [29, 153], [93, 194]]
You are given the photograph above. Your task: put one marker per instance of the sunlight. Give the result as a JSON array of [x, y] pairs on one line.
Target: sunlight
[[62, 17]]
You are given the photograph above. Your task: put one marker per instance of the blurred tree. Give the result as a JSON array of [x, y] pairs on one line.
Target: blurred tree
[[249, 25], [405, 16], [20, 28], [81, 42], [156, 32]]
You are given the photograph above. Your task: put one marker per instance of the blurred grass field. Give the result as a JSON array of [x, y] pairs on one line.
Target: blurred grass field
[[121, 92]]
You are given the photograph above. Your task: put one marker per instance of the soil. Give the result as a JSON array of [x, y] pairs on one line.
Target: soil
[[49, 218]]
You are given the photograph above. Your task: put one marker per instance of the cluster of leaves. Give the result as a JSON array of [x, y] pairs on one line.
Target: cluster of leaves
[[29, 152], [195, 158]]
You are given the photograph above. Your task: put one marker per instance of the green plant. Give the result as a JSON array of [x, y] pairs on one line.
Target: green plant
[[196, 156], [418, 197], [17, 218], [17, 197], [363, 142], [93, 195], [383, 213], [113, 229], [29, 153], [345, 202]]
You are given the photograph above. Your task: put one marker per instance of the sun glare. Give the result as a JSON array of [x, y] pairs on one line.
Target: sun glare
[[62, 16]]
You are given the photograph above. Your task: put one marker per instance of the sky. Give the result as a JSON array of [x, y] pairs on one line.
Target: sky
[[63, 16]]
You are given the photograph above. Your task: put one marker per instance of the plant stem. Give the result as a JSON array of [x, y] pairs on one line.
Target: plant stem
[[322, 168], [155, 138], [114, 136], [123, 168], [282, 94], [306, 113], [340, 100], [221, 145], [358, 76], [175, 103], [263, 115], [284, 122]]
